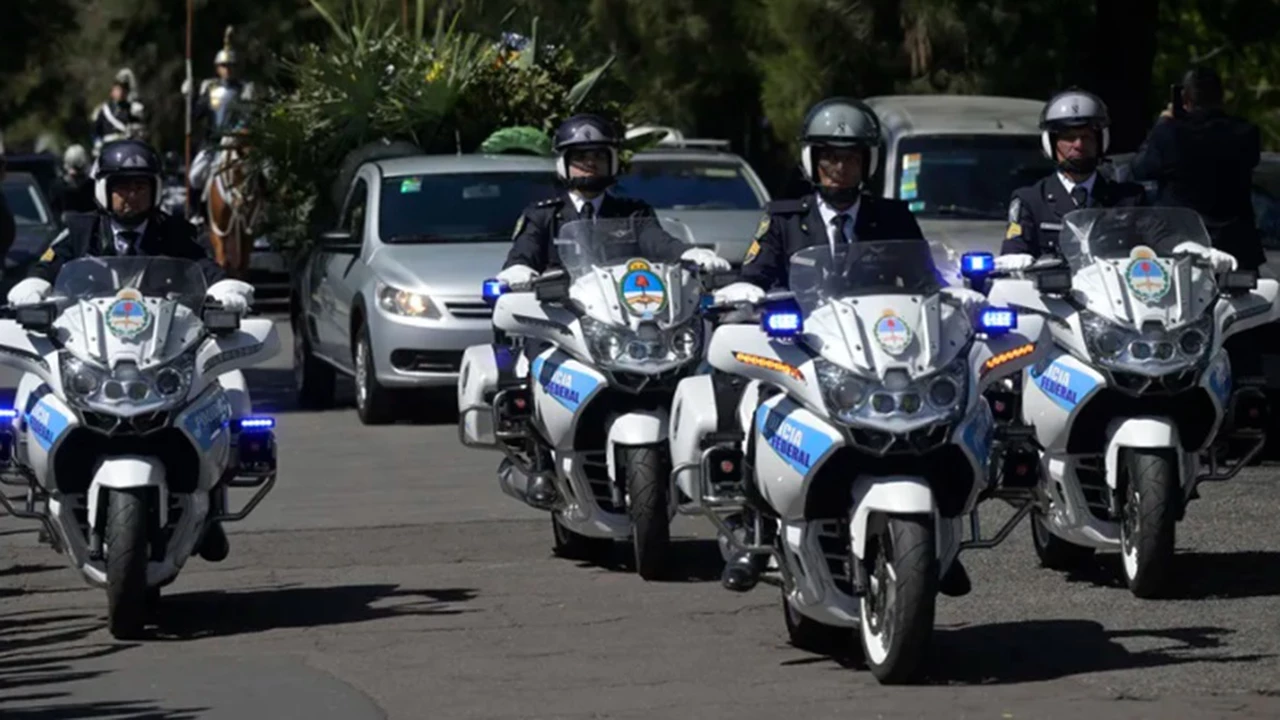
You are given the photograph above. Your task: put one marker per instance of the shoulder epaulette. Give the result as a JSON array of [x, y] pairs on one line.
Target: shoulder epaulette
[[550, 202], [786, 207]]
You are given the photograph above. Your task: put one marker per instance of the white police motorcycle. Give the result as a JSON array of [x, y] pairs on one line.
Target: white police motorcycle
[[586, 400], [864, 439], [122, 432], [1137, 387]]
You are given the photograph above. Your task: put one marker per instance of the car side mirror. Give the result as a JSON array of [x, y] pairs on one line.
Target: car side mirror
[[339, 241]]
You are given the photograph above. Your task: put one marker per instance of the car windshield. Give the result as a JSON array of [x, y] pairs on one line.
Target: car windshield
[[1122, 233], [883, 267], [170, 278], [24, 202], [458, 207], [691, 184], [966, 176]]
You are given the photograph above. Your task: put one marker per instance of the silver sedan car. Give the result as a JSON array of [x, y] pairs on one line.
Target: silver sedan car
[[392, 295]]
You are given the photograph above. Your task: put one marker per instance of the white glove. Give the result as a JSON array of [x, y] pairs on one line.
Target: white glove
[[739, 292], [517, 274], [707, 260], [234, 295], [1221, 262], [1014, 263], [29, 292], [970, 300]]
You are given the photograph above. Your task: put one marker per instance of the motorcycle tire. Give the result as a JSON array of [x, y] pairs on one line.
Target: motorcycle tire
[[127, 553], [1149, 521], [895, 643], [649, 501]]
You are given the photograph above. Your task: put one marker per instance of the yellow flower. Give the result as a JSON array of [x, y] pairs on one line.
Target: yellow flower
[[437, 69]]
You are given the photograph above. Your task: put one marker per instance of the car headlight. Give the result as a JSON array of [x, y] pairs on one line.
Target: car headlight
[[87, 383], [1116, 346], [403, 302]]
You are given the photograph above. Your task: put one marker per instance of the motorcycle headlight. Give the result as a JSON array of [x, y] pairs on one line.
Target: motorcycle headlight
[[844, 391], [1116, 346], [615, 345], [86, 383]]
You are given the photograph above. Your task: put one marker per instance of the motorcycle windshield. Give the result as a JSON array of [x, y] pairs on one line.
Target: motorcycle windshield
[[167, 278], [820, 274], [627, 271], [1111, 234]]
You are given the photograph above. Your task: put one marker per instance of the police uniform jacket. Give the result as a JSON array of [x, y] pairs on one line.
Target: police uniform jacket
[[1205, 162], [792, 225], [91, 235], [533, 244], [1036, 211]]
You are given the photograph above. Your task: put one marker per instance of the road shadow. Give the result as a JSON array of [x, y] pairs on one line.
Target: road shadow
[[692, 560], [220, 613], [271, 390], [1035, 651], [27, 569], [1199, 575], [106, 709]]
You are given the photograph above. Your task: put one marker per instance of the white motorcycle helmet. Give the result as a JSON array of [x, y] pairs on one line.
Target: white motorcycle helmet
[[1071, 109]]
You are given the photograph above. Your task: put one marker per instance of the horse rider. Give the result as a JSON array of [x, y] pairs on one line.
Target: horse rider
[[214, 105], [122, 115]]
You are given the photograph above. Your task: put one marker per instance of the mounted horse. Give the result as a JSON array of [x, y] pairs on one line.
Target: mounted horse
[[234, 197]]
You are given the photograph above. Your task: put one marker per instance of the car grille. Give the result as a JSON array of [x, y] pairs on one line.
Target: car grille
[[469, 309], [427, 360]]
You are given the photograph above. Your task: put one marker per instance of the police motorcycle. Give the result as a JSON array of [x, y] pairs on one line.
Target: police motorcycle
[[862, 436], [1134, 406], [586, 397], [121, 432]]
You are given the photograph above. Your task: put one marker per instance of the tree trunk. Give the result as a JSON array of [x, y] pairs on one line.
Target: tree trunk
[[1124, 50]]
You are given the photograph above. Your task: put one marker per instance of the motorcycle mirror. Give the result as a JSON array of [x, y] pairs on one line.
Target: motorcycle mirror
[[1053, 280], [219, 321], [1239, 281], [36, 318], [553, 289]]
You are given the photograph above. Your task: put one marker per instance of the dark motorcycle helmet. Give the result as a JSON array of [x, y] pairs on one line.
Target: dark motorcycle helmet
[[1071, 109], [586, 132], [125, 159]]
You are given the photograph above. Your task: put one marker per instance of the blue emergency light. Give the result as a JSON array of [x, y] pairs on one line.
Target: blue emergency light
[[782, 319], [8, 413], [975, 265], [491, 290], [997, 321], [257, 423]]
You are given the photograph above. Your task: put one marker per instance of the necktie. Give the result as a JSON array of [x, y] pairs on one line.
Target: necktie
[[1080, 195], [127, 244], [838, 225], [588, 211]]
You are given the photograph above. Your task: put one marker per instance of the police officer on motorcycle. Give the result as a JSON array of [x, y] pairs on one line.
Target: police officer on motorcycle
[[840, 149], [587, 164], [1075, 134], [126, 185]]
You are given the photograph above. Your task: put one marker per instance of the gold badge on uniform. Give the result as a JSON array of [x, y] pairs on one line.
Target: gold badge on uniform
[[47, 256], [752, 252], [1014, 231], [519, 227]]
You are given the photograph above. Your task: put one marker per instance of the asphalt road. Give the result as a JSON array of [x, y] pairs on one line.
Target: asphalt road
[[387, 576]]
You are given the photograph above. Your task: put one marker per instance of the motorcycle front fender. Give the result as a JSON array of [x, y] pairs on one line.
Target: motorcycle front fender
[[125, 473]]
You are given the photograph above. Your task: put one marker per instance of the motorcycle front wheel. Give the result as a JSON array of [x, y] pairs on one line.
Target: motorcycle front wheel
[[1149, 520], [128, 598], [897, 610], [648, 482]]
